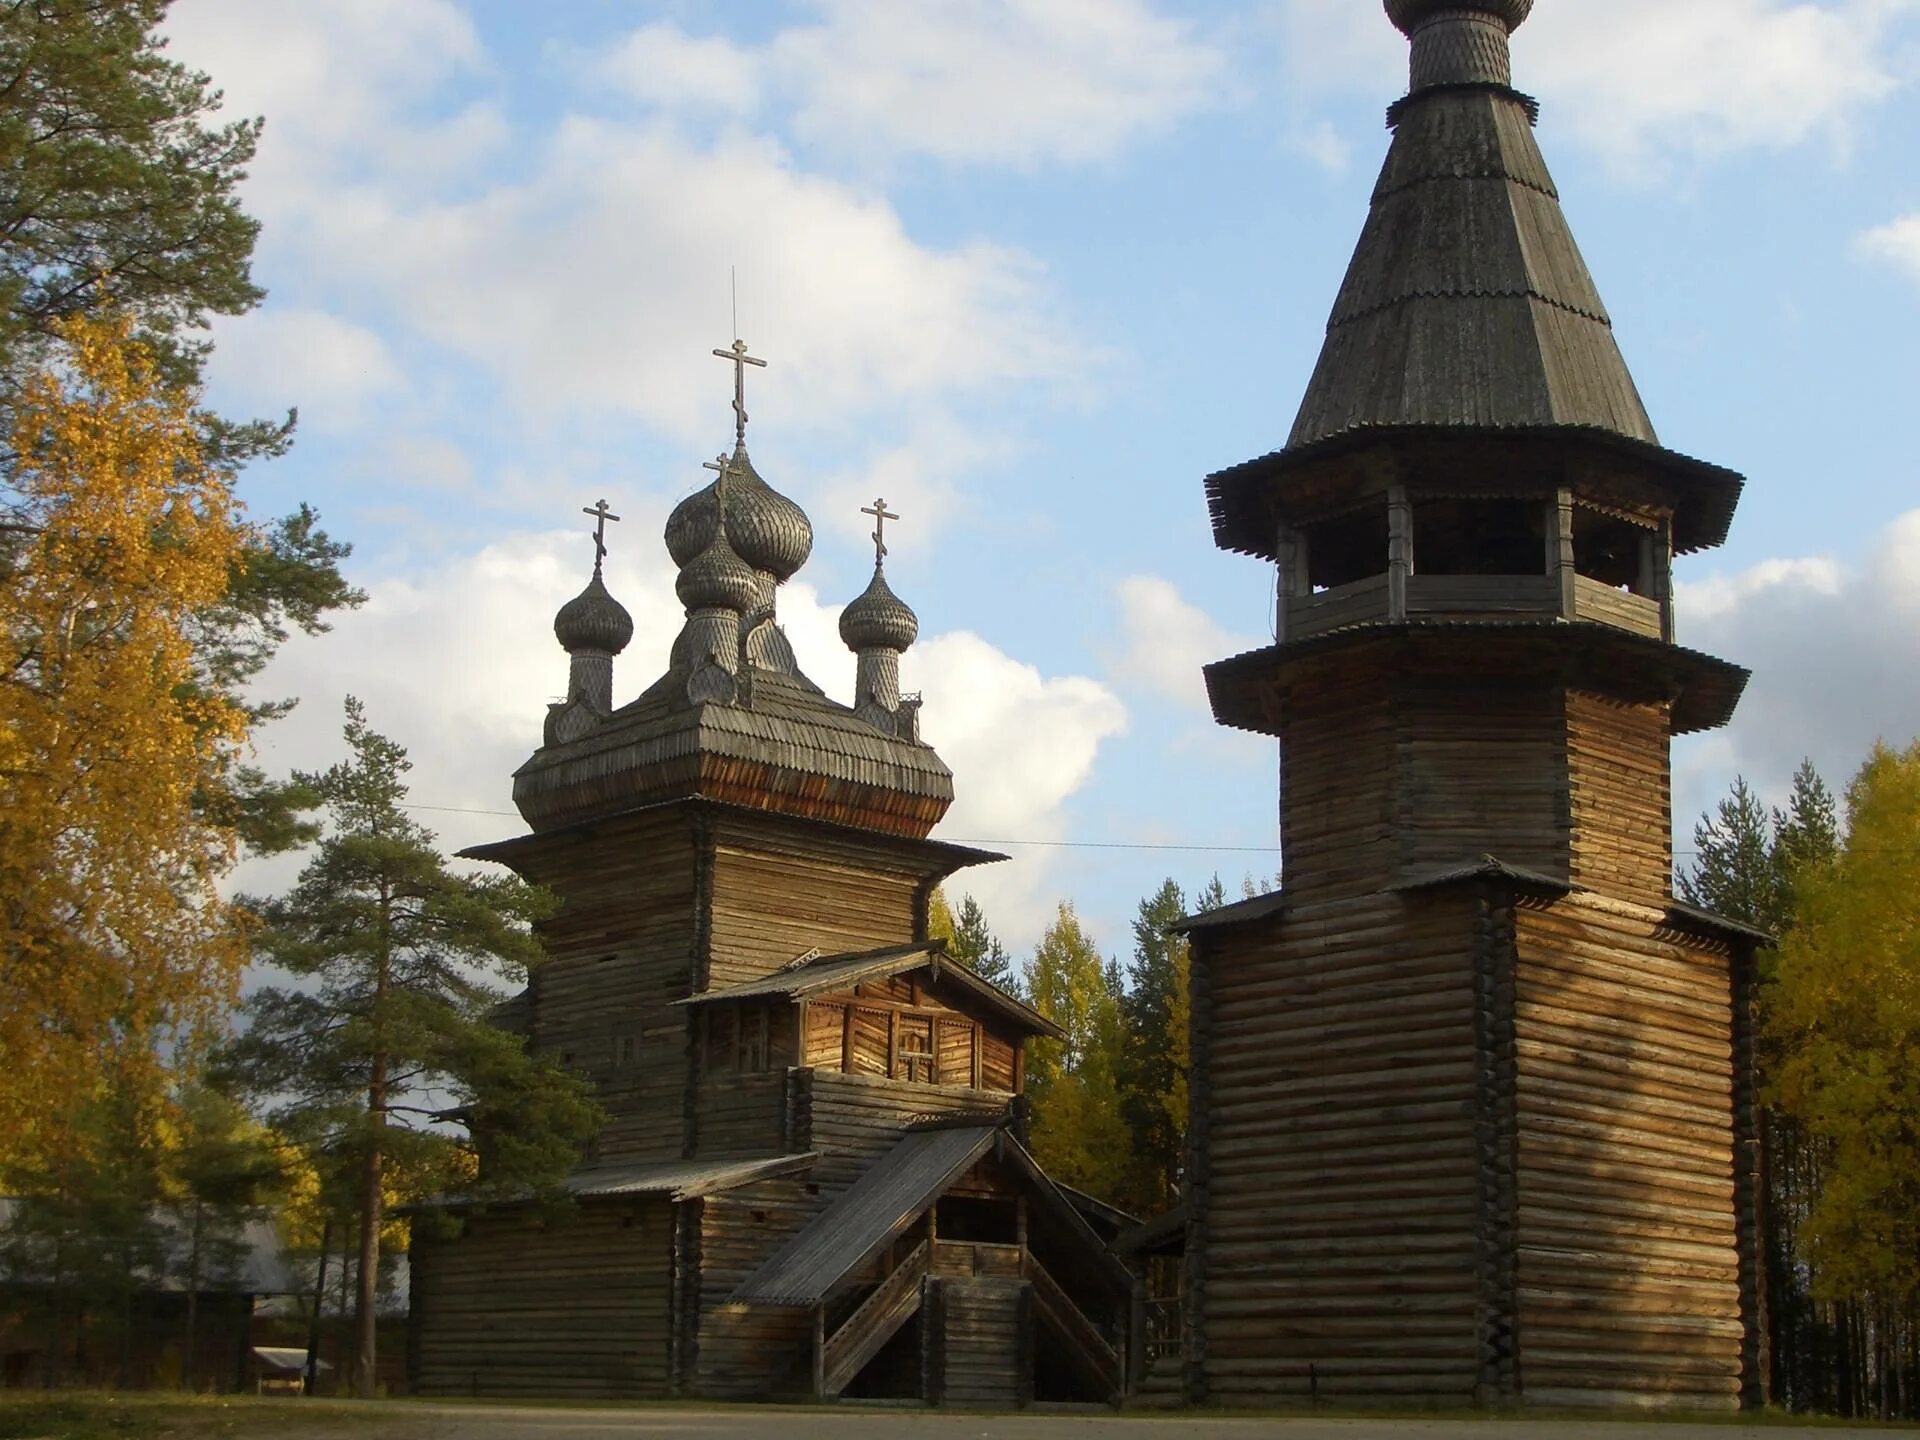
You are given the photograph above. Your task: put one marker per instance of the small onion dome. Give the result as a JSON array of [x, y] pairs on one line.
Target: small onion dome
[[593, 620], [717, 578], [767, 530], [879, 619], [1410, 15]]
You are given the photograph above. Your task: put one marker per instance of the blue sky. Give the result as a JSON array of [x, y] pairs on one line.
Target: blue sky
[[1030, 269]]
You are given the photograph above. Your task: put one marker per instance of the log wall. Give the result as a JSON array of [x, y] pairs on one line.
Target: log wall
[[979, 1335], [852, 1120], [621, 945], [1629, 1264], [1622, 807], [750, 1352], [1337, 807], [1336, 1243], [574, 1308]]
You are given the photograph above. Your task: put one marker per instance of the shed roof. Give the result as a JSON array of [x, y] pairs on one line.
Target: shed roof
[[1241, 912], [682, 1179], [877, 1207], [827, 973]]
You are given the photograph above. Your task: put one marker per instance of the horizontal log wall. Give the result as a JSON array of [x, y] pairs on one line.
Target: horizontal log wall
[[980, 1360], [1621, 797], [621, 946], [1336, 791], [1628, 1263], [1338, 1234], [574, 1308], [852, 1120], [750, 1352], [1482, 770]]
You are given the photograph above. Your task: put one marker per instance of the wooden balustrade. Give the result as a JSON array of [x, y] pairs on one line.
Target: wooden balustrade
[[870, 1326], [1085, 1347]]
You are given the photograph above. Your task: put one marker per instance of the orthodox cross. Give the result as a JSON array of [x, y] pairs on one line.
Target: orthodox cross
[[880, 515], [601, 515], [723, 467], [741, 359]]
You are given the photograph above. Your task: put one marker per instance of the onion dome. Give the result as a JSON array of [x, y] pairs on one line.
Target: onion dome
[[1410, 15], [879, 619], [766, 529], [593, 620], [718, 578]]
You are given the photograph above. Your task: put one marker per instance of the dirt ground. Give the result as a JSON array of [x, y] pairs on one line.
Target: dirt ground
[[99, 1417]]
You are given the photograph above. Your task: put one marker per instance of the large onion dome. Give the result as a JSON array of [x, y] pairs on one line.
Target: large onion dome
[[718, 578], [879, 619], [767, 530], [593, 620], [1410, 15]]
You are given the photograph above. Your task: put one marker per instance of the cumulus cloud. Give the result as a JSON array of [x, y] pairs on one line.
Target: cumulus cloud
[[458, 664], [330, 367], [1835, 654], [1005, 82], [1166, 640], [1897, 243], [1644, 81]]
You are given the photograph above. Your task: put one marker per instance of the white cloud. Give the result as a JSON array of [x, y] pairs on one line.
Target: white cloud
[[336, 81], [1646, 81], [660, 64], [1167, 640], [1007, 82], [1897, 243], [581, 289], [1835, 654], [1323, 145], [459, 662], [276, 358]]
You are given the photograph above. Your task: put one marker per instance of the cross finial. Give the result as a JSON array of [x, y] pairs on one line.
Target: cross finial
[[723, 467], [741, 359], [601, 515], [880, 515]]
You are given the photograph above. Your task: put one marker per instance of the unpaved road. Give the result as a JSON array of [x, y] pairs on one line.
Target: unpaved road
[[494, 1422]]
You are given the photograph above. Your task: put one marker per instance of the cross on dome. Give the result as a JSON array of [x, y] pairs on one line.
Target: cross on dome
[[737, 353], [880, 515], [601, 515]]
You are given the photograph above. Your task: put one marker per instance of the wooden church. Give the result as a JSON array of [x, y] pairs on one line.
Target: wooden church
[[1473, 1100], [813, 1182]]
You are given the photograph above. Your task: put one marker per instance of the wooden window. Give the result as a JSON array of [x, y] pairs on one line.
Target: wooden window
[[626, 1047], [913, 1053], [722, 1056]]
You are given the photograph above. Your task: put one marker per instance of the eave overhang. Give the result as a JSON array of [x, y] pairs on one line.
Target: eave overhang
[[1294, 486], [1252, 691]]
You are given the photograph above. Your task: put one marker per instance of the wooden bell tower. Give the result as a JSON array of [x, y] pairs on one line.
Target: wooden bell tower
[[1473, 1104]]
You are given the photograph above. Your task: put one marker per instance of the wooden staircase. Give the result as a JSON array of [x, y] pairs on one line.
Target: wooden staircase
[[894, 1301], [1096, 1361]]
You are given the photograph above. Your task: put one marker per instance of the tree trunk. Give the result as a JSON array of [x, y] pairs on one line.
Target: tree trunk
[[188, 1370], [310, 1380], [369, 1277]]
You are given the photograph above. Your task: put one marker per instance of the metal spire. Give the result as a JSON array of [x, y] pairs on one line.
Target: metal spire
[[601, 515], [741, 359]]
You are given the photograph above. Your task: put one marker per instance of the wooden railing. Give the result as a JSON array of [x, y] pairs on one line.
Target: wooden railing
[[870, 1326], [1593, 600], [965, 1259], [1086, 1348], [1164, 1335]]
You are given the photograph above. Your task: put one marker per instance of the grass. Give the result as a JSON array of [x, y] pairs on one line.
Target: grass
[[95, 1415]]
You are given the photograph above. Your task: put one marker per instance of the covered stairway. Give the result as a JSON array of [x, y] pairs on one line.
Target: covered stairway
[[954, 1271]]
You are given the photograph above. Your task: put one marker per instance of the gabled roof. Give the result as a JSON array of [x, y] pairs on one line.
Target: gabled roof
[[1487, 867], [828, 973], [879, 1206]]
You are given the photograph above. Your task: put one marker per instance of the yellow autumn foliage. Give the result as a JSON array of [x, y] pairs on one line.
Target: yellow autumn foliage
[[114, 943]]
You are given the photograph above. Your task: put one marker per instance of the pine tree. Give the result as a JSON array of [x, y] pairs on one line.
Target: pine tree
[[978, 947], [1154, 1060], [388, 1041], [1077, 1130]]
